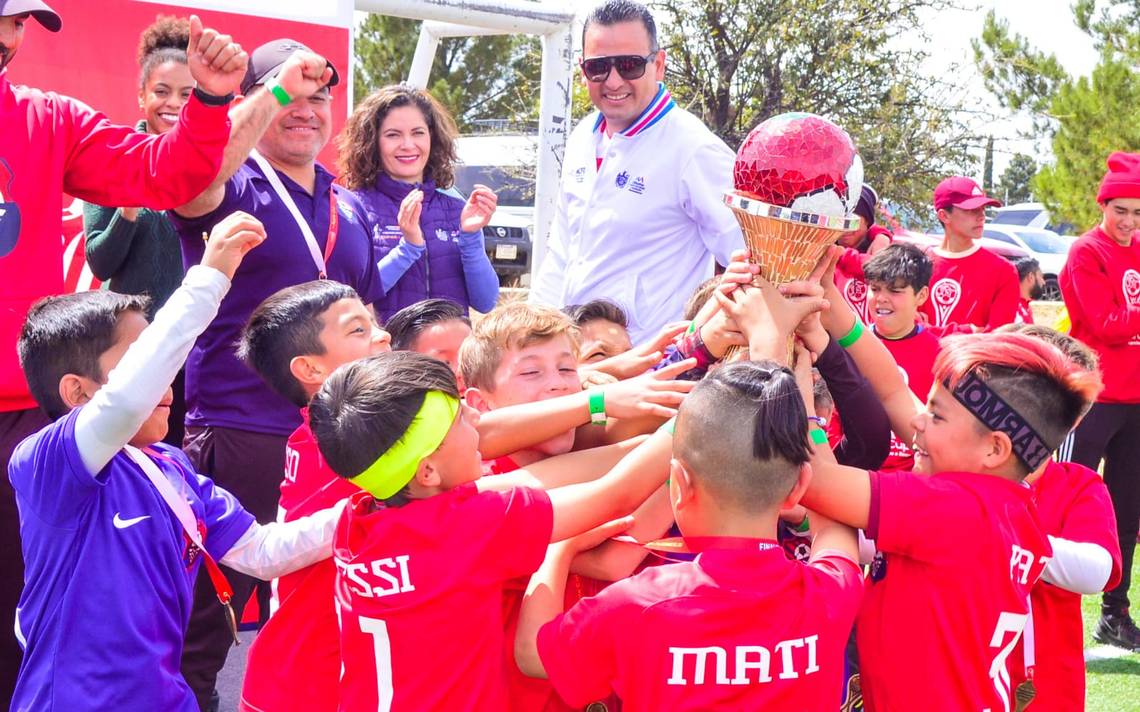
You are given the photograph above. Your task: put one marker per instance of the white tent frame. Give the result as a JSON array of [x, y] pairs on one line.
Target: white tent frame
[[556, 26]]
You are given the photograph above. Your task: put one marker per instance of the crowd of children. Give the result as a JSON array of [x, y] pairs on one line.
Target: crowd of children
[[833, 494]]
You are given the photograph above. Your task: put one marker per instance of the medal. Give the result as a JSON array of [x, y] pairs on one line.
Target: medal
[[1024, 695]]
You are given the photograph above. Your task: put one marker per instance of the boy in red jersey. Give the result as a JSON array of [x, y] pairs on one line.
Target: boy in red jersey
[[1101, 287], [424, 552], [1075, 510], [294, 340], [1000, 404], [970, 284], [527, 354], [688, 636], [898, 278]]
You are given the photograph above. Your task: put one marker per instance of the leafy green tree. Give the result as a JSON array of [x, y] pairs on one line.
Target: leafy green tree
[[1015, 185], [476, 78], [1084, 118], [735, 63]]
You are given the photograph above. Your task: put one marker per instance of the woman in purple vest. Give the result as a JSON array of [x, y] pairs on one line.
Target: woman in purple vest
[[397, 153]]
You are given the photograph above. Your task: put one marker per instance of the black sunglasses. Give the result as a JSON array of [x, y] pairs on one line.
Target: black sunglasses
[[629, 66]]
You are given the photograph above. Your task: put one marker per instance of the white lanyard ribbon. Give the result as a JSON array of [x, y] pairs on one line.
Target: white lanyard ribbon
[[174, 501], [287, 200]]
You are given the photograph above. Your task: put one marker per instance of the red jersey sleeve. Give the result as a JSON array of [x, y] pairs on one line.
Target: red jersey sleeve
[[1090, 518], [118, 166], [917, 516], [524, 520], [847, 576], [577, 648], [1007, 294], [1090, 284], [851, 263]]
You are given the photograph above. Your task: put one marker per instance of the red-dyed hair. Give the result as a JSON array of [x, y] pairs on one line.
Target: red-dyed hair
[[1047, 388]]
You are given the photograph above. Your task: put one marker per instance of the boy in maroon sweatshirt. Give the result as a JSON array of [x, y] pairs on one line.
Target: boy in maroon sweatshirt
[[1101, 287], [970, 284]]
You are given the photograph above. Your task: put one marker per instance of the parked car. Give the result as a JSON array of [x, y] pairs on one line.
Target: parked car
[[1029, 215], [1047, 247], [506, 164]]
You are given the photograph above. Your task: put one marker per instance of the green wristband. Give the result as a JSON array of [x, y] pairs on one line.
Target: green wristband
[[692, 327], [853, 335], [817, 436], [598, 407], [804, 526], [669, 425], [279, 92]]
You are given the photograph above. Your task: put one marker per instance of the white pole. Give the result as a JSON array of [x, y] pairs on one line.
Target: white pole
[[422, 60], [520, 16], [553, 127]]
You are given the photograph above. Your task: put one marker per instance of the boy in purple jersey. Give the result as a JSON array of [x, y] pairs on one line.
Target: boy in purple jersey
[[106, 509]]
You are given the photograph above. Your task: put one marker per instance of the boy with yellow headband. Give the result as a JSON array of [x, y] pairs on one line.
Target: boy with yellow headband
[[423, 554]]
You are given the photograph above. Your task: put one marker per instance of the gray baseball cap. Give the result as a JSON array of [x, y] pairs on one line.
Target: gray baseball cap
[[266, 61], [39, 10]]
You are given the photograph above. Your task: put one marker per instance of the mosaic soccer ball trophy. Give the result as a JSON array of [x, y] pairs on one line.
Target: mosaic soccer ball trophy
[[798, 178]]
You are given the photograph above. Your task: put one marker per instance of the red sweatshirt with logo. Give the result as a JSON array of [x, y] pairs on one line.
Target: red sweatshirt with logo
[[1100, 283], [52, 145]]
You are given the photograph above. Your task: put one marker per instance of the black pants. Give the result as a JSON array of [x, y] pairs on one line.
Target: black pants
[[14, 426], [1112, 431], [251, 466]]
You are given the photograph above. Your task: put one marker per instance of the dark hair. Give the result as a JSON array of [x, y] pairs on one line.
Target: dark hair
[[286, 325], [597, 309], [899, 265], [359, 143], [366, 406], [68, 334], [164, 41], [1026, 266], [742, 432], [406, 325], [700, 295], [613, 12]]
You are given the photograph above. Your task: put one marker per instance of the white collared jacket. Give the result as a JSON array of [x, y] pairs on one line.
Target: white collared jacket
[[640, 228]]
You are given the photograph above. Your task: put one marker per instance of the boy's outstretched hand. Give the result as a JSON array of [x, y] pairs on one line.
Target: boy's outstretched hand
[[653, 394], [235, 235]]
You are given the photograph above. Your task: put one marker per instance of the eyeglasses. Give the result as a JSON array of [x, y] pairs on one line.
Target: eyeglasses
[[629, 66]]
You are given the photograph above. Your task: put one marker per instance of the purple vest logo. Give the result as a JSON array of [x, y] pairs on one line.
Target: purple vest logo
[[9, 212]]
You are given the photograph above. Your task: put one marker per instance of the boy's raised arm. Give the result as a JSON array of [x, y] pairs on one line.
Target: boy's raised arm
[[578, 508], [136, 386], [516, 427], [562, 470]]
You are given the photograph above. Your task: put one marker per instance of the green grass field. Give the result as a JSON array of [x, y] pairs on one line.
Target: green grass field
[[1113, 685]]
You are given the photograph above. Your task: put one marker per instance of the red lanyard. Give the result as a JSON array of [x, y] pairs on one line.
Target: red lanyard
[[191, 525], [330, 243]]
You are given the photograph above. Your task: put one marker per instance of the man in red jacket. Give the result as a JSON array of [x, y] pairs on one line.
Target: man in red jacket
[[970, 284], [1101, 286], [54, 144]]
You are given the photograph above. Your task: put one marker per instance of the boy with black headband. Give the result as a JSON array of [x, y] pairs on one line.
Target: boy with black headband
[[689, 636], [423, 553], [1000, 404], [1075, 511]]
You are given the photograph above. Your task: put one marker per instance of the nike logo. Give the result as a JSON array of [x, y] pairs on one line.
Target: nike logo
[[121, 523]]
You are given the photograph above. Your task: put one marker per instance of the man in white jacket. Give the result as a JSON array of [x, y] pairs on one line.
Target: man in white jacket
[[640, 216]]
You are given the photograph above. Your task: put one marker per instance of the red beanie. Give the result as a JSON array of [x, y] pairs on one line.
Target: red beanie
[[1122, 179]]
